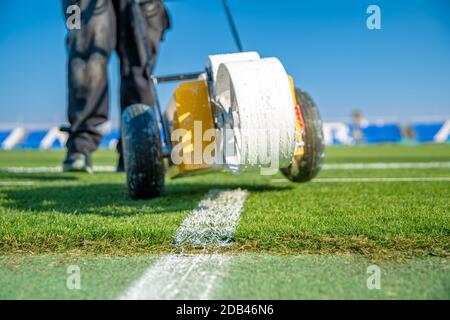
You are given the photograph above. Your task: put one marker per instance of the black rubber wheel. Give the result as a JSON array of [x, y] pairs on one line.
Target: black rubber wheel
[[306, 167], [142, 152]]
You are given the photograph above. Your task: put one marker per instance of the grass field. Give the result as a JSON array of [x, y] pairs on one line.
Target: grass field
[[311, 240]]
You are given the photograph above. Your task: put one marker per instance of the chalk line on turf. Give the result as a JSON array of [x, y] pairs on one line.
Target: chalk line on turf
[[179, 277], [329, 166], [57, 169], [385, 165], [353, 180], [211, 224], [16, 183]]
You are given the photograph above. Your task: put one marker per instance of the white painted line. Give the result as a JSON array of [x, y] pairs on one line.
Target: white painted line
[[330, 166], [31, 169], [405, 179], [15, 183], [385, 165], [57, 169], [282, 180], [53, 183], [346, 180], [179, 277], [211, 224], [214, 221]]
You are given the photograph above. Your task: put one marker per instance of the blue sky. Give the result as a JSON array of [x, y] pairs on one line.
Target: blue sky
[[399, 72]]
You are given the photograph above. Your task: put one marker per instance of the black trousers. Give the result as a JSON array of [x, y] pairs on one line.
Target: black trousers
[[106, 25]]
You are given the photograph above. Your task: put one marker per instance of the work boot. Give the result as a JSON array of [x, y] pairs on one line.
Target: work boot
[[78, 162]]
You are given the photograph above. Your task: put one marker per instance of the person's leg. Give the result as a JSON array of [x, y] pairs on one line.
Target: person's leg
[[89, 49], [135, 85]]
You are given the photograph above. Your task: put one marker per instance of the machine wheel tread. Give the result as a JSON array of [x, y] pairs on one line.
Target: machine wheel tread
[[306, 167], [143, 156]]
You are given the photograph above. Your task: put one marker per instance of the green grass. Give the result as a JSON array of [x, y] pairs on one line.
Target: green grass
[[92, 214], [388, 153], [248, 276], [34, 158], [294, 241], [262, 276], [45, 277]]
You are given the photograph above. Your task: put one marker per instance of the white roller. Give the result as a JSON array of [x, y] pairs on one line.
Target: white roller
[[257, 97], [214, 61]]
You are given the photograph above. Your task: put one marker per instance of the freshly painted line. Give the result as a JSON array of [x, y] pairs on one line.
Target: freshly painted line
[[211, 224], [50, 169], [214, 221], [385, 165], [179, 277], [405, 179], [15, 183]]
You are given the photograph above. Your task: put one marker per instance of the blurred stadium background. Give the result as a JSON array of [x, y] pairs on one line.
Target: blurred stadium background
[[397, 77], [336, 133]]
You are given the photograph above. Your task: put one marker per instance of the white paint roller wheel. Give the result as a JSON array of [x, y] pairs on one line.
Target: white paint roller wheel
[[257, 98], [214, 61]]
